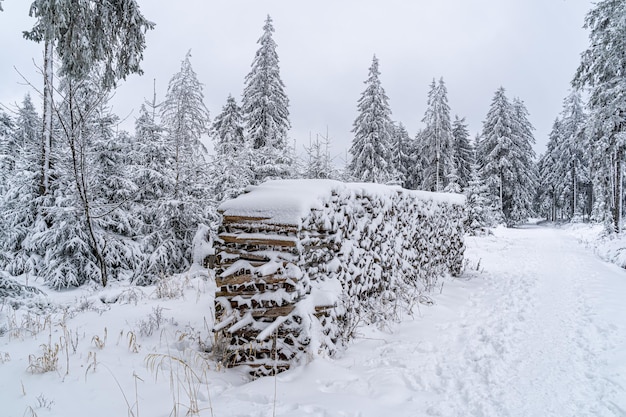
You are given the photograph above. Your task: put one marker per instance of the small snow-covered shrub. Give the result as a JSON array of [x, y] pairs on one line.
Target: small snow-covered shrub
[[171, 287], [10, 288], [153, 322], [47, 362]]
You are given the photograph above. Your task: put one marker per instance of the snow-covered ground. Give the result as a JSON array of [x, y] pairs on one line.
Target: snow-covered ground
[[535, 327]]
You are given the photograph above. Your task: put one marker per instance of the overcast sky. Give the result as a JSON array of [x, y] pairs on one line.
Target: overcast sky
[[530, 47]]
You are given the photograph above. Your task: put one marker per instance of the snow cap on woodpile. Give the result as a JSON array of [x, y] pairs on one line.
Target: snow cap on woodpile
[[290, 201]]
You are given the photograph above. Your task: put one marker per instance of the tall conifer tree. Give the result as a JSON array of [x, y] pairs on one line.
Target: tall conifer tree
[[371, 159], [265, 109], [265, 104], [506, 158], [232, 164], [186, 120], [437, 146], [602, 70], [463, 151]]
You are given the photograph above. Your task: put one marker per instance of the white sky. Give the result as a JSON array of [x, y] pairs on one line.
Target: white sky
[[531, 47]]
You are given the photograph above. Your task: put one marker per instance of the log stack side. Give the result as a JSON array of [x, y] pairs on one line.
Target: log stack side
[[259, 284]]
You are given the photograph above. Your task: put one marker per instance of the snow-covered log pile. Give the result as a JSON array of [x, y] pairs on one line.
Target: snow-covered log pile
[[301, 262]]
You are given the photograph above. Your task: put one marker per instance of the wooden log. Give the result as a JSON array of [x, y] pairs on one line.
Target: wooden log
[[252, 241], [264, 227], [273, 312], [247, 336], [246, 305], [221, 267], [242, 219], [232, 253], [252, 279], [251, 290]]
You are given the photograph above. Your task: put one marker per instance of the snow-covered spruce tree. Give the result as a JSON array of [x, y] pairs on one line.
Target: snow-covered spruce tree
[[227, 129], [185, 120], [463, 151], [565, 166], [478, 214], [401, 154], [7, 155], [550, 186], [602, 70], [575, 158], [437, 141], [265, 109], [319, 163], [523, 163], [154, 164], [7, 168], [371, 155], [19, 201], [506, 159], [153, 168], [71, 235], [85, 35], [415, 174], [231, 167]]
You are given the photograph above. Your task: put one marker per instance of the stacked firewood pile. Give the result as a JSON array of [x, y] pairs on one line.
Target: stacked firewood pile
[[301, 263]]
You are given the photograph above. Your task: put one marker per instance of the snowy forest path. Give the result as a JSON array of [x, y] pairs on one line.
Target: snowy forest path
[[536, 326], [544, 344]]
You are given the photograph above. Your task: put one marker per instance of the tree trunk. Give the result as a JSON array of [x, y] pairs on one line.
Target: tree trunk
[[616, 188], [573, 190], [79, 165], [617, 195], [501, 194], [46, 137]]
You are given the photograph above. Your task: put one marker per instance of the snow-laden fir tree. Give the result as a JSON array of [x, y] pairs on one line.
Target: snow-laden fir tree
[[70, 238], [370, 154], [437, 141], [7, 156], [524, 163], [415, 173], [602, 70], [7, 169], [463, 151], [565, 165], [401, 153], [550, 182], [19, 201], [227, 129], [154, 164], [185, 121], [478, 214], [265, 108], [506, 158], [319, 163], [574, 162], [232, 164], [154, 168], [265, 104]]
